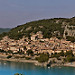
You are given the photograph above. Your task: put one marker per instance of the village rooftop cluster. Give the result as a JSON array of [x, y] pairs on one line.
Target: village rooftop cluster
[[37, 44]]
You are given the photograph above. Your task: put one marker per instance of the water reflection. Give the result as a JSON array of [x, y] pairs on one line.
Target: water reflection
[[17, 65], [10, 68]]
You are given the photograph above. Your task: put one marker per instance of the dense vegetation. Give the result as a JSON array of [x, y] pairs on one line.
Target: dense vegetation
[[30, 52], [69, 56], [72, 39], [43, 58], [47, 26]]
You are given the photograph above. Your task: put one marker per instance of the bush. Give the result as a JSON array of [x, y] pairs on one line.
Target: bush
[[69, 53], [43, 58], [56, 55], [61, 53], [69, 58], [27, 58], [30, 52], [69, 38], [9, 56], [9, 51]]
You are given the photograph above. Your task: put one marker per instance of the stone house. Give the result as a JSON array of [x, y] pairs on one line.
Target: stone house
[[34, 37], [37, 36]]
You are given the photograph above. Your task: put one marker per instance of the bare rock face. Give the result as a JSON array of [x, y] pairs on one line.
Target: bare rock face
[[28, 28], [69, 31]]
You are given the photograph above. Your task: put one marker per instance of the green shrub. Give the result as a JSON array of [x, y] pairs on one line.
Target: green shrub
[[30, 52], [56, 55], [69, 58], [69, 38], [9, 56], [69, 53], [43, 58], [27, 58], [61, 53]]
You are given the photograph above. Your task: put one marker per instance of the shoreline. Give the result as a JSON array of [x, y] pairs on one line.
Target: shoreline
[[70, 64], [19, 60], [36, 63]]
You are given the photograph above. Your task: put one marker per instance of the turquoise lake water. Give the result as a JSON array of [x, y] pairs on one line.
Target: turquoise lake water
[[10, 68]]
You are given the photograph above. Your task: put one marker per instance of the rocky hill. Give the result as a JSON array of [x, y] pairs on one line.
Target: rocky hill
[[59, 27]]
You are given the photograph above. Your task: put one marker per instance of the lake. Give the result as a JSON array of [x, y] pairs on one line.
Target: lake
[[10, 68]]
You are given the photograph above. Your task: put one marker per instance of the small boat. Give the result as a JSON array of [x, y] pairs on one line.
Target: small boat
[[48, 67], [59, 67], [4, 63]]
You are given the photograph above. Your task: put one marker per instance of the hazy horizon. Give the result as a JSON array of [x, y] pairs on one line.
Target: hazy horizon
[[17, 12]]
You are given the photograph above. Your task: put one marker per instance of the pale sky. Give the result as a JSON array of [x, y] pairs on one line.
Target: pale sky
[[17, 12]]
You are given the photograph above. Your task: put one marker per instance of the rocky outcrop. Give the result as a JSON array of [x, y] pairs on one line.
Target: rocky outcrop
[[69, 31]]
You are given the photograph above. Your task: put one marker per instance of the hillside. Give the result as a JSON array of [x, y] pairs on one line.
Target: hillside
[[49, 28], [4, 30]]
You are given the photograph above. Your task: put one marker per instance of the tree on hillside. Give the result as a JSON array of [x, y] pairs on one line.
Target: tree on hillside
[[69, 53], [61, 53], [43, 57], [30, 52]]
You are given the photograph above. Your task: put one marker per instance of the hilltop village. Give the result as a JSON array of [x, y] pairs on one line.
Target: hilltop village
[[37, 44]]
